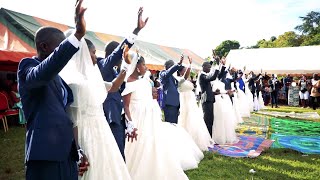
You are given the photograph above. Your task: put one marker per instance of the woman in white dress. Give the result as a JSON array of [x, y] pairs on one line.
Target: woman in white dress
[[244, 104], [162, 150], [92, 131], [248, 94], [223, 131], [236, 103], [191, 115]]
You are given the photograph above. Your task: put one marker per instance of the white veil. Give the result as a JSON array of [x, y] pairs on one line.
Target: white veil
[[85, 81], [134, 60]]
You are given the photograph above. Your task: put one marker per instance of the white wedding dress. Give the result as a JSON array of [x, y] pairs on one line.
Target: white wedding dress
[[261, 101], [225, 119], [162, 150], [236, 104], [191, 115], [249, 95], [94, 134], [244, 104]]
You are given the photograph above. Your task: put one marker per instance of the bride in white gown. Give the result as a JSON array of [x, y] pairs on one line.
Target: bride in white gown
[[162, 150], [244, 104], [248, 94], [94, 135], [191, 115], [225, 119]]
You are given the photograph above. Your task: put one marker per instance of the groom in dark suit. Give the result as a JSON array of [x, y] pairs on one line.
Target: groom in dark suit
[[207, 95], [171, 98], [113, 105], [51, 152]]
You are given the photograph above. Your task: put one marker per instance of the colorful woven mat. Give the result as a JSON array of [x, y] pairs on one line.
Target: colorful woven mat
[[303, 144], [248, 146]]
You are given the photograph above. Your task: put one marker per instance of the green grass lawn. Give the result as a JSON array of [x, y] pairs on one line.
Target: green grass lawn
[[272, 164]]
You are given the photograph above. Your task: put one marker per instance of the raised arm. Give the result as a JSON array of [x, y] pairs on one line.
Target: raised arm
[[168, 73], [115, 57], [187, 73], [38, 74]]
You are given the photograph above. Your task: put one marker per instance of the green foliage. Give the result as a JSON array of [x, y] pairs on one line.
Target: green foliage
[[224, 48], [311, 40], [288, 39], [310, 29], [311, 24]]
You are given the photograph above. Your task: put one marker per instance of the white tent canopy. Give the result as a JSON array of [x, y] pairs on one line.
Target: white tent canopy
[[304, 59]]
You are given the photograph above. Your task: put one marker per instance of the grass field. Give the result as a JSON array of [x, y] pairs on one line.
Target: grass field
[[273, 164]]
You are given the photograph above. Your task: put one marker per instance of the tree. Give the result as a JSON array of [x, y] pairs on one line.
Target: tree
[[265, 44], [310, 29], [288, 39], [311, 24], [311, 40], [224, 48]]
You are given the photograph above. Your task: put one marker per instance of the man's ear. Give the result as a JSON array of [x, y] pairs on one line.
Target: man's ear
[[44, 47]]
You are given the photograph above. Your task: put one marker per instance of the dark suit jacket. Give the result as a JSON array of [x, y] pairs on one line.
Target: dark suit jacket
[[113, 105], [252, 83], [170, 86], [49, 129], [207, 94]]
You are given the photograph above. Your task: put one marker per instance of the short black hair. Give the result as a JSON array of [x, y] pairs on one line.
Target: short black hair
[[110, 47], [168, 64], [47, 35], [140, 59], [206, 63]]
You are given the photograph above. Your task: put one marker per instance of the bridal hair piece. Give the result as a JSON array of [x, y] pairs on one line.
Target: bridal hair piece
[[85, 81]]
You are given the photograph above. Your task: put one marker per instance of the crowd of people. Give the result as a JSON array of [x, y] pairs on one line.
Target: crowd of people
[[101, 118]]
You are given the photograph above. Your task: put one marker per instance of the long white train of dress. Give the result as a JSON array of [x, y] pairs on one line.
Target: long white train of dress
[[191, 116], [163, 150], [223, 130]]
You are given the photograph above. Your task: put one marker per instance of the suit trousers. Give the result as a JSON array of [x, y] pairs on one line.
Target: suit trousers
[[118, 131], [171, 113], [52, 170], [208, 116], [274, 98]]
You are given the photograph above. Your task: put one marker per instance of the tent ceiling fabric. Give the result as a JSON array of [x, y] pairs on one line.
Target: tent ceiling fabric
[[304, 59], [18, 30]]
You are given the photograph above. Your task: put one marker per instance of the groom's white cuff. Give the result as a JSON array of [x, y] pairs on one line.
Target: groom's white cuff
[[131, 38], [74, 41]]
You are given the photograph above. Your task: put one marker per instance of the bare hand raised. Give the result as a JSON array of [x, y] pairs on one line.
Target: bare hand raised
[[181, 59], [190, 59], [79, 20], [223, 61], [141, 24]]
